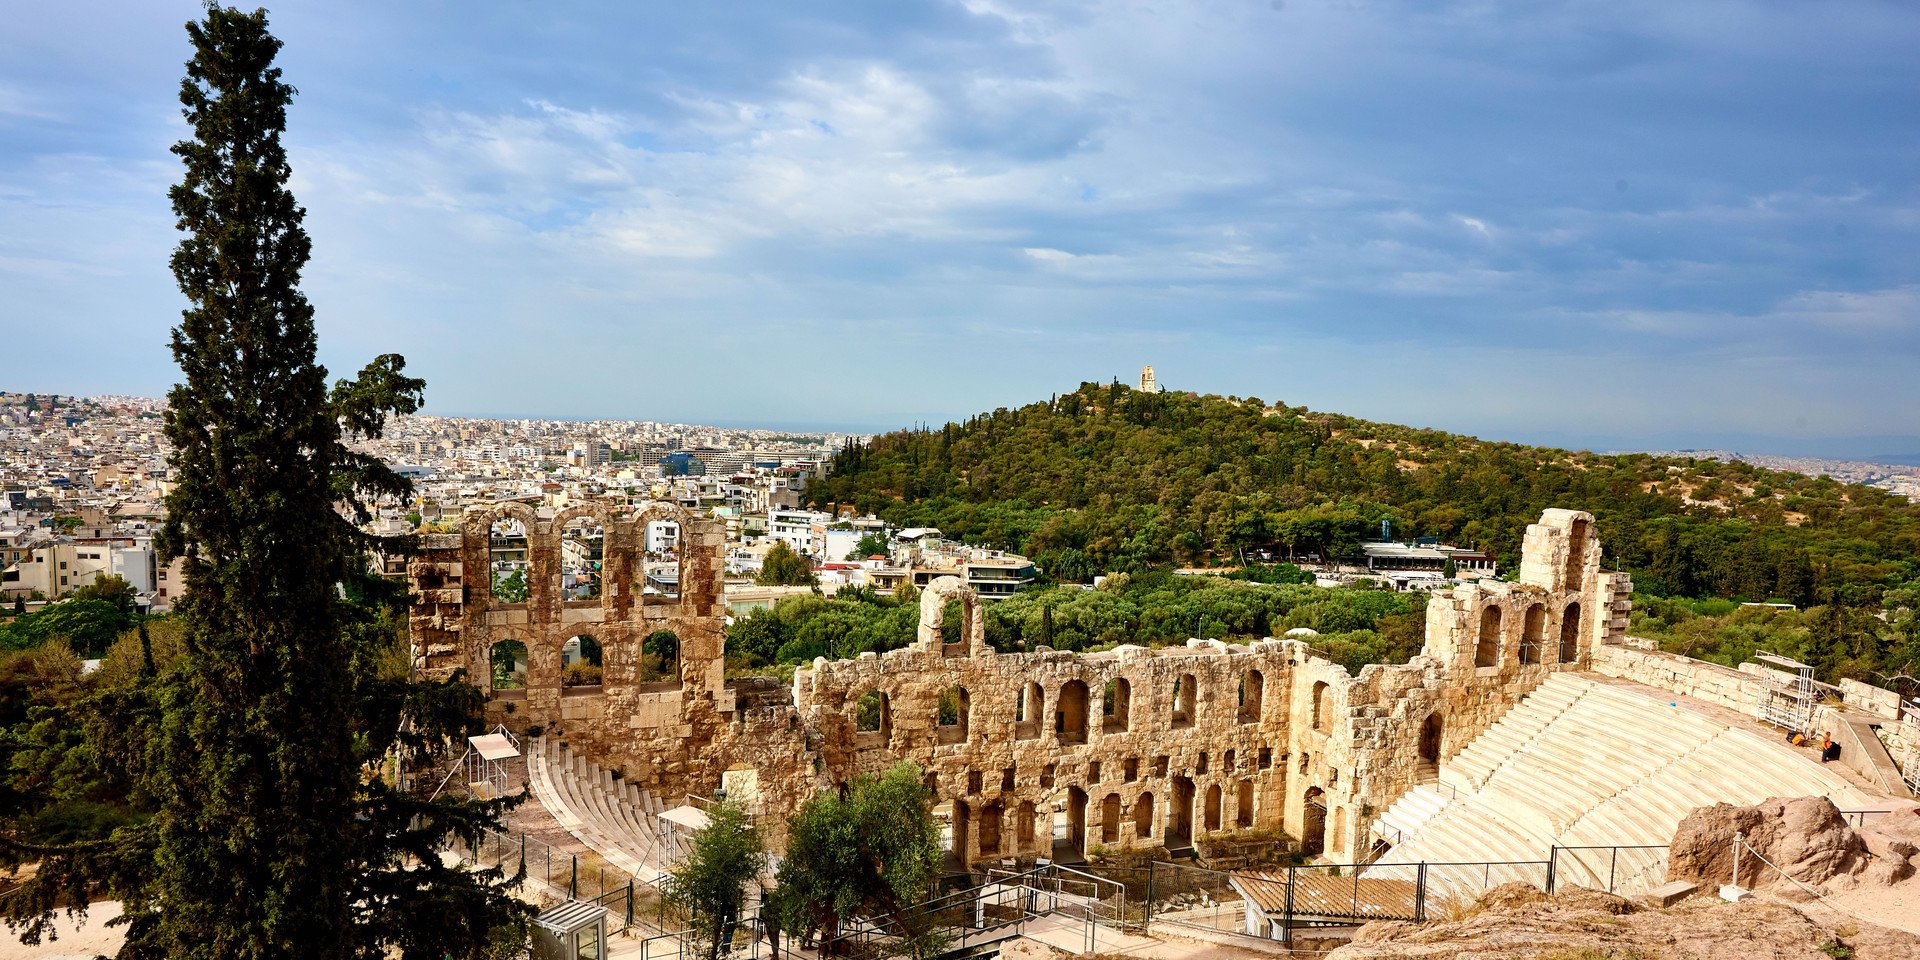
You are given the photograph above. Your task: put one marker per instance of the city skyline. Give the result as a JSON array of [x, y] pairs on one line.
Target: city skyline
[[1607, 228]]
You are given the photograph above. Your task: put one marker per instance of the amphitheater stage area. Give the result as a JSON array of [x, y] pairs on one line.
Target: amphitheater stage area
[[1603, 769]]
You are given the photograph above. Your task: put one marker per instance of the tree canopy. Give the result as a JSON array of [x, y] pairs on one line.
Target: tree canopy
[[784, 568], [869, 850], [710, 882], [1107, 479]]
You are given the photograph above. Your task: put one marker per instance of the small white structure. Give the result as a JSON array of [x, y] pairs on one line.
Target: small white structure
[[571, 931]]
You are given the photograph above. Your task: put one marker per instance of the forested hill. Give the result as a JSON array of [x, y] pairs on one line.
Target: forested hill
[[1107, 478]]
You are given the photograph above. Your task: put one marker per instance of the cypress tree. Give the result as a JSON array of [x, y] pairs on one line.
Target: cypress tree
[[255, 732], [258, 830]]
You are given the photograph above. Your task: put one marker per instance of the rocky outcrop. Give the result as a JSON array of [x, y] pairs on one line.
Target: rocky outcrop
[[1518, 922], [1805, 836]]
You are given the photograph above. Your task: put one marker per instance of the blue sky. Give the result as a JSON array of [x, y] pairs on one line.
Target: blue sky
[[1598, 224]]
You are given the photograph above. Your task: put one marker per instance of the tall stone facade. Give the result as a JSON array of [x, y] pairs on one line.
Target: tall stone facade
[[1125, 748]]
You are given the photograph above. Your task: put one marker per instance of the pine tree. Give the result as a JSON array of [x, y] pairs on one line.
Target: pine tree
[[259, 832]]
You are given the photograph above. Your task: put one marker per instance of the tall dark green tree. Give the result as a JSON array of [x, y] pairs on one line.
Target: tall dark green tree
[[260, 831]]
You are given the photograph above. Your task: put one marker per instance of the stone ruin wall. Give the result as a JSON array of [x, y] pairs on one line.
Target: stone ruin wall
[[1322, 753]]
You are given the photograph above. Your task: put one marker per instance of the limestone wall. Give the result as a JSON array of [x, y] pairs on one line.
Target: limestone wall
[[1642, 663], [1130, 747]]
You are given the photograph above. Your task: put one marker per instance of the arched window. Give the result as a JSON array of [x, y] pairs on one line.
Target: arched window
[[1576, 555], [1430, 734], [1313, 829], [1183, 701], [582, 544], [660, 556], [660, 657], [1028, 711], [1110, 819], [507, 560], [508, 662], [953, 715], [1486, 653], [991, 817], [873, 714], [1570, 633], [961, 819], [1116, 705], [1024, 816], [580, 662], [1243, 817], [1253, 692], [1320, 713], [1212, 812], [1143, 817], [1533, 634], [1070, 718]]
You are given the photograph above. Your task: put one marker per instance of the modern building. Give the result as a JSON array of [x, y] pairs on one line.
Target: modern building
[[1426, 554]]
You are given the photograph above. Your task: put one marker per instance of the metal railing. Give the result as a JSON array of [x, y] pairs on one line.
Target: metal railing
[[1858, 818], [1272, 904], [1612, 869], [563, 873], [979, 916]]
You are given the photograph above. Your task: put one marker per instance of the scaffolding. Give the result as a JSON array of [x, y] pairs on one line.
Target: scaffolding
[[484, 765], [1910, 769], [1788, 701]]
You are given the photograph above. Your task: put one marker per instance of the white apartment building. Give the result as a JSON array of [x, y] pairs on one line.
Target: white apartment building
[[799, 528]]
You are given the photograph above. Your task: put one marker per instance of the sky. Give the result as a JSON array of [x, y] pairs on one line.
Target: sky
[[1611, 225]]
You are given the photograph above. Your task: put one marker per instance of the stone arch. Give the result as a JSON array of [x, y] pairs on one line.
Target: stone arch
[[1253, 692], [607, 518], [1110, 819], [581, 663], [643, 519], [1028, 710], [952, 714], [1074, 845], [1576, 554], [1070, 713], [1533, 634], [1322, 711], [1313, 829], [1143, 817], [873, 714], [1486, 651], [509, 515], [1024, 816], [507, 663], [1184, 700], [1178, 831], [1213, 807], [660, 658], [1432, 730], [933, 615], [992, 817], [1570, 633], [1116, 706], [1243, 814], [961, 824]]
